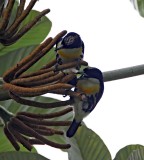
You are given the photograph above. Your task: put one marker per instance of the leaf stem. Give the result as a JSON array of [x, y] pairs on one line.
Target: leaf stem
[[5, 114]]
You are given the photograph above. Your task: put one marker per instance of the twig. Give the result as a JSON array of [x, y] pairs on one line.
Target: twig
[[50, 64], [20, 8], [68, 78], [6, 15], [35, 91], [53, 79], [26, 119], [40, 104], [34, 141], [11, 138], [19, 137], [20, 81], [45, 116], [45, 128]]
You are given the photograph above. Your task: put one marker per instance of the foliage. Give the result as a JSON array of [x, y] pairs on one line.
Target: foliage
[[21, 156]]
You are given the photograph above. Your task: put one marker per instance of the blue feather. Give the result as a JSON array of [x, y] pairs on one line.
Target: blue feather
[[73, 128]]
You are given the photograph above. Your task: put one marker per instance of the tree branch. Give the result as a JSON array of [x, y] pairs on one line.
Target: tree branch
[[123, 73]]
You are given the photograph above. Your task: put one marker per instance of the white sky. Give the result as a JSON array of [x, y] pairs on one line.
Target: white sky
[[113, 34]]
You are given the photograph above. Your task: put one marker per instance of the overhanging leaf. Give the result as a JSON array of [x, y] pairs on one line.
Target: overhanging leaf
[[33, 37], [129, 152], [87, 145], [21, 156]]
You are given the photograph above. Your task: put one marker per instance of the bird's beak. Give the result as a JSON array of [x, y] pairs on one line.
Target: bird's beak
[[58, 48]]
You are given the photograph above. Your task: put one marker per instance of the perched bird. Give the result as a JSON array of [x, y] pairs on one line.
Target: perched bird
[[70, 48], [91, 84]]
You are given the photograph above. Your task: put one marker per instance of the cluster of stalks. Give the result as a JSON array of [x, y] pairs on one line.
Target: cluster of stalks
[[10, 32], [28, 128]]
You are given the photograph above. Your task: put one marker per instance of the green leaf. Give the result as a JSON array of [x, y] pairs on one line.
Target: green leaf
[[33, 37], [137, 154], [140, 4], [14, 107], [21, 156], [130, 152], [87, 145], [9, 60]]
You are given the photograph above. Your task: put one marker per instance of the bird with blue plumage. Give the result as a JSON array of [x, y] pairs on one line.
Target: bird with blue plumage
[[91, 85], [70, 48]]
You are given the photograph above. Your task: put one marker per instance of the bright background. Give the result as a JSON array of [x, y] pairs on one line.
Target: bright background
[[113, 34]]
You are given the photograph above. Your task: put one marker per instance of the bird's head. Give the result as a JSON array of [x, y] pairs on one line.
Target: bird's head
[[91, 72], [70, 41]]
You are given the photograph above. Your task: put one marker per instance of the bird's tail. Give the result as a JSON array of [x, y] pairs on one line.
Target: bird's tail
[[73, 128]]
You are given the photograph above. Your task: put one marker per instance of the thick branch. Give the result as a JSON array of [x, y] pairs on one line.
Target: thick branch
[[123, 73]]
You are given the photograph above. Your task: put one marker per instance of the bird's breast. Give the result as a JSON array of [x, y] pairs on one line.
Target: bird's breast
[[70, 53], [88, 86]]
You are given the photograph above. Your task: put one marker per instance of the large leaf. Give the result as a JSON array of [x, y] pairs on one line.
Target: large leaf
[[33, 37], [130, 152], [14, 107], [21, 156], [9, 60], [87, 145], [137, 155], [140, 4]]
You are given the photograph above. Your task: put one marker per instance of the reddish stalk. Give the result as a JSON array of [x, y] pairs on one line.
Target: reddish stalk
[[46, 116], [40, 104], [11, 138]]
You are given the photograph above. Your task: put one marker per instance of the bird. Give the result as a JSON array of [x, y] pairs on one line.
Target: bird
[[91, 84], [70, 48]]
